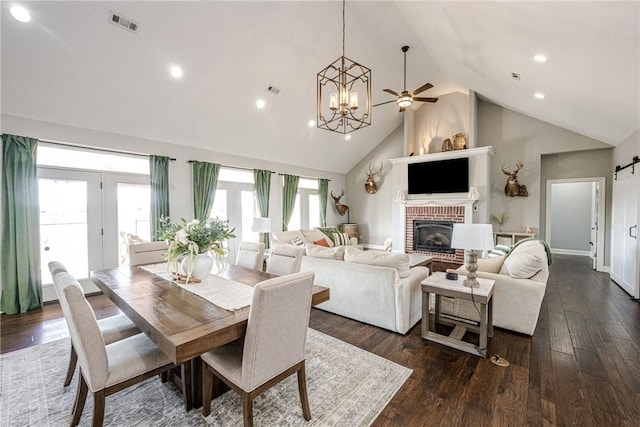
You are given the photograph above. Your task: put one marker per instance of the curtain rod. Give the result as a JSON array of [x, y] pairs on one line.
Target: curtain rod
[[230, 166], [105, 150], [305, 177]]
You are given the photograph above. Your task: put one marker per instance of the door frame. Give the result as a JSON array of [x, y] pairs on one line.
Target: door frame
[[600, 243]]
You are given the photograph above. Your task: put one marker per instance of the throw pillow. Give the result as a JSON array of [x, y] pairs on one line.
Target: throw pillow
[[298, 241], [322, 242], [313, 234], [499, 250], [317, 251], [525, 262], [491, 265], [341, 239], [380, 258], [328, 231]]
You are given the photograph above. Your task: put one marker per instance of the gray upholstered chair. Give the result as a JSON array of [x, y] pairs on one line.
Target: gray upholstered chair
[[105, 369], [147, 253], [285, 259], [251, 255], [113, 328], [273, 347]]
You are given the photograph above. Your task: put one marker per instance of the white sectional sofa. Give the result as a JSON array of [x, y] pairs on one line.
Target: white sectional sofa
[[520, 284]]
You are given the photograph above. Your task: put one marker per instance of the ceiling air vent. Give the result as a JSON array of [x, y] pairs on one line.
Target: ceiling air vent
[[123, 22], [515, 76]]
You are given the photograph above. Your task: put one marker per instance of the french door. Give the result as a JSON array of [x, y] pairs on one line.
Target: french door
[[83, 215]]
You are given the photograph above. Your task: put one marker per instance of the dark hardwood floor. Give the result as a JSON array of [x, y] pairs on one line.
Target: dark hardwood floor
[[581, 367]]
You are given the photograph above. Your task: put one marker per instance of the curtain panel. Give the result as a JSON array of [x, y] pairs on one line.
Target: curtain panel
[[20, 239], [205, 183], [262, 180], [159, 180], [323, 190], [289, 198]]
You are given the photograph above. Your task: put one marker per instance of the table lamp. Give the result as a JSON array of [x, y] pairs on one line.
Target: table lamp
[[474, 237], [261, 225]]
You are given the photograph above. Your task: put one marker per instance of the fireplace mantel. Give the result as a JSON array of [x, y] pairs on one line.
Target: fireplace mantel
[[437, 202]]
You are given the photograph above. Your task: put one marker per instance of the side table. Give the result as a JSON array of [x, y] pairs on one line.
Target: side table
[[439, 285], [419, 260]]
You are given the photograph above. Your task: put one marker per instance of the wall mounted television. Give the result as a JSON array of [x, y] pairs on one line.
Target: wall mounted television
[[440, 176]]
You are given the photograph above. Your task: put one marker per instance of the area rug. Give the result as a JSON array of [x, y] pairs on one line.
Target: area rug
[[347, 387]]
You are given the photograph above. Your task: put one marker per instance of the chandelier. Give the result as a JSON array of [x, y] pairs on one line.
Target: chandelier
[[344, 93]]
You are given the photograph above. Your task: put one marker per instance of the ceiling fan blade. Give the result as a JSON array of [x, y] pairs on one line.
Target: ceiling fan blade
[[423, 88], [391, 92], [425, 99], [402, 109], [382, 103]]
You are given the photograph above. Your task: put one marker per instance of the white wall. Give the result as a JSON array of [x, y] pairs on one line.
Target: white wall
[[570, 220], [623, 153], [434, 122], [180, 190]]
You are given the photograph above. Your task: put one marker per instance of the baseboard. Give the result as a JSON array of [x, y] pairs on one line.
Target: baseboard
[[570, 252], [606, 269]]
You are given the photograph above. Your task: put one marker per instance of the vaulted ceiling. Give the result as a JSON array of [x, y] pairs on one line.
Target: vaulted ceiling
[[70, 65]]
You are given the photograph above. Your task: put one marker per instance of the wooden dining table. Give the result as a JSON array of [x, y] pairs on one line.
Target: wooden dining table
[[182, 324]]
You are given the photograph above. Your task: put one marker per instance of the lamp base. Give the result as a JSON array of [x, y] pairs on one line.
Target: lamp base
[[471, 282]]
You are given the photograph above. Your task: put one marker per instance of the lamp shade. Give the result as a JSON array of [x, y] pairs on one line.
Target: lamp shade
[[261, 225], [472, 236]]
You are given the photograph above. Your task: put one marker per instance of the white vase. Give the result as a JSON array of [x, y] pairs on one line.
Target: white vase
[[199, 268]]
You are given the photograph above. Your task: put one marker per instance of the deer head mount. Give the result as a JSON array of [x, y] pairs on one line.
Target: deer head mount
[[370, 184], [342, 209], [513, 189]]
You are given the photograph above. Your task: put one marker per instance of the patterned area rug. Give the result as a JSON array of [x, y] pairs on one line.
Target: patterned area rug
[[347, 387]]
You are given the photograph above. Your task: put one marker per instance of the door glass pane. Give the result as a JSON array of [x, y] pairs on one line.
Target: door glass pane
[[219, 208], [63, 226], [314, 210], [134, 201], [249, 211], [294, 222]]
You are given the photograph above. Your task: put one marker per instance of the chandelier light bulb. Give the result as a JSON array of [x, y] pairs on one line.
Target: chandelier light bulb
[[20, 13]]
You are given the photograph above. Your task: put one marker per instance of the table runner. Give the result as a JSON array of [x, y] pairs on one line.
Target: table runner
[[218, 290]]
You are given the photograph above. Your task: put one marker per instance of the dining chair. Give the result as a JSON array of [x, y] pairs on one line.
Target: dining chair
[[285, 259], [273, 347], [104, 369], [147, 253], [113, 328], [251, 255]]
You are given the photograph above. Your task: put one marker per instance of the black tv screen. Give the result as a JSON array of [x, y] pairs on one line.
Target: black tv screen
[[441, 176]]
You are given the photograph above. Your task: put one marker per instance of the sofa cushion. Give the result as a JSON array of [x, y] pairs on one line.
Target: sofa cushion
[[525, 260], [381, 258], [316, 251], [313, 235], [490, 265], [341, 239], [286, 236]]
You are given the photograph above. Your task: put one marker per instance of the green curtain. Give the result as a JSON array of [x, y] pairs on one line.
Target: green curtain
[[20, 240], [262, 179], [323, 189], [205, 183], [159, 179], [289, 198]]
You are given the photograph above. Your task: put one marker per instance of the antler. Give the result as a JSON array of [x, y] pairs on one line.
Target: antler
[[519, 166], [506, 171], [373, 171], [338, 197]]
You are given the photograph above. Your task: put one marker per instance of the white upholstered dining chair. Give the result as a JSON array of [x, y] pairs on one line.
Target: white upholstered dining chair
[[273, 347], [113, 328], [147, 253], [104, 369], [251, 255], [285, 259]]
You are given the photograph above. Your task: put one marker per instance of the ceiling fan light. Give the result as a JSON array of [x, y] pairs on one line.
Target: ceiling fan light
[[405, 101]]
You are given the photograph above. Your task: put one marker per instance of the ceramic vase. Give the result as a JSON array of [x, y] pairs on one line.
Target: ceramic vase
[[199, 268]]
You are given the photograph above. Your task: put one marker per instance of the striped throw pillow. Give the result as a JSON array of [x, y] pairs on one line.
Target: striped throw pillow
[[298, 241], [499, 250], [341, 239]]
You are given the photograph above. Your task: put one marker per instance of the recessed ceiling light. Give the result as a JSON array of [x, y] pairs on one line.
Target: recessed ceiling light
[[312, 123], [20, 13], [540, 58], [347, 137], [176, 72], [260, 103], [539, 95]]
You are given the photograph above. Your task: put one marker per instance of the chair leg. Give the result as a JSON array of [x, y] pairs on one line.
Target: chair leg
[[164, 377], [187, 396], [98, 408], [81, 397], [302, 388], [207, 389], [73, 360], [247, 409]]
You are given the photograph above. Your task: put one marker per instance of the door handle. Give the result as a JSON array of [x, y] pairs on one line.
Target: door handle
[[630, 228]]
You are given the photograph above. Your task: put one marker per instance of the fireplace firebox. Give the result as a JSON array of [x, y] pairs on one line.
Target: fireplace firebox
[[432, 236]]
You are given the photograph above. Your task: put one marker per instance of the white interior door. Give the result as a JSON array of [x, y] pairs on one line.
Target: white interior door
[[624, 246]]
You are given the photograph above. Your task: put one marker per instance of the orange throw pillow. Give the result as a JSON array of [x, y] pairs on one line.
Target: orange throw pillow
[[322, 242]]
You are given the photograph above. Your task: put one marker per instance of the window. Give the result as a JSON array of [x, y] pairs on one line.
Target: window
[[295, 222], [314, 210], [306, 211], [249, 211], [219, 208], [78, 158]]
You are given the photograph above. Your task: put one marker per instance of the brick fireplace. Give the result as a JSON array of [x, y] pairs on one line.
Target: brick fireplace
[[437, 214]]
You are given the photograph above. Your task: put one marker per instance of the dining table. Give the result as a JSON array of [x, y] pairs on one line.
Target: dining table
[[182, 324]]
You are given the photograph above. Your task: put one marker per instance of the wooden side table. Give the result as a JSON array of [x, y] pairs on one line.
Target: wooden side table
[[439, 285], [419, 260]]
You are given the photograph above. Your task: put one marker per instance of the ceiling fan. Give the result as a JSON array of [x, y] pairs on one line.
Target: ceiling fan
[[406, 98]]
